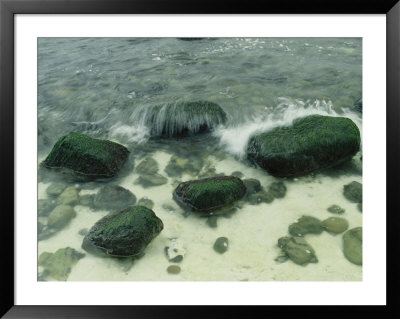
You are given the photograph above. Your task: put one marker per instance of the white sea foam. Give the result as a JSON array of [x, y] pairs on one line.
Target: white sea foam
[[130, 133], [235, 138]]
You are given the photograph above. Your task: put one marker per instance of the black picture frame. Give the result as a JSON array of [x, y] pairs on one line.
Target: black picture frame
[[8, 8]]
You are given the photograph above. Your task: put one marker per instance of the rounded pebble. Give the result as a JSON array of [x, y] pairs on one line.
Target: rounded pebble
[[335, 225], [221, 245], [174, 269]]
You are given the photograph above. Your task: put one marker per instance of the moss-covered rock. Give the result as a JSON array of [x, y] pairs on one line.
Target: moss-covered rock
[[335, 225], [181, 118], [311, 143], [306, 225], [60, 216], [352, 245], [86, 157], [353, 192], [298, 250], [209, 194], [114, 197], [58, 265], [123, 234]]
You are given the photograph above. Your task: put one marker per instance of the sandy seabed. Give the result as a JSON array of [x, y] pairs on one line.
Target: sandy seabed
[[253, 232]]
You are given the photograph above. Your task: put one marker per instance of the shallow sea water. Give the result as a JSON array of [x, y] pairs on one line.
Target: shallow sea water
[[93, 86]]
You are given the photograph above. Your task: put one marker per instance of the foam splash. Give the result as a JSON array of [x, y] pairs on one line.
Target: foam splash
[[235, 138], [129, 133]]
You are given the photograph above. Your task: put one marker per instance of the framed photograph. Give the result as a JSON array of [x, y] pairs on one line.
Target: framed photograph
[[159, 155]]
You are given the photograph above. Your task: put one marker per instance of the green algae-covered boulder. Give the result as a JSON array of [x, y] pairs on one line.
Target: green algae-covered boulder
[[123, 234], [209, 194], [311, 143], [181, 118], [86, 157], [352, 245]]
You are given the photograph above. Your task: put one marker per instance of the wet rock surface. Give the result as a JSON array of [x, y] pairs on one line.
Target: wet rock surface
[[151, 180], [335, 209], [60, 216], [206, 195], [68, 197], [86, 157], [311, 143], [146, 202], [277, 189], [148, 166], [55, 189]]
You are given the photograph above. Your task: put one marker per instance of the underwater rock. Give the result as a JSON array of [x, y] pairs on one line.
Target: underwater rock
[[359, 206], [353, 192], [352, 245], [260, 197], [181, 118], [58, 265], [212, 221], [306, 225], [298, 250], [151, 180], [190, 39], [86, 157], [335, 209], [174, 269], [206, 195], [68, 197], [114, 197], [148, 166], [237, 174], [221, 245], [148, 203], [83, 231], [55, 189], [45, 206], [277, 189], [86, 200], [252, 186], [123, 234], [311, 143], [60, 216], [335, 225], [175, 250]]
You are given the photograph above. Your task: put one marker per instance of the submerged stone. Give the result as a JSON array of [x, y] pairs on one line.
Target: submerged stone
[[86, 200], [260, 197], [58, 265], [55, 189], [353, 192], [335, 225], [252, 186], [352, 245], [359, 206], [298, 250], [114, 197], [212, 221], [60, 216], [174, 269], [277, 189], [206, 195], [311, 143], [148, 166], [148, 203], [221, 245], [45, 206], [306, 225], [68, 197], [181, 118], [335, 209], [123, 234], [237, 174], [151, 180], [86, 157]]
